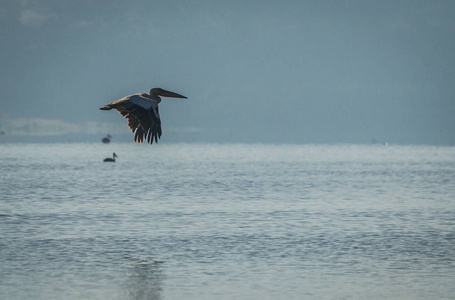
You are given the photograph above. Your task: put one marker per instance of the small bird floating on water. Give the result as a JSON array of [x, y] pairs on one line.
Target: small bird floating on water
[[142, 113], [106, 139], [111, 159]]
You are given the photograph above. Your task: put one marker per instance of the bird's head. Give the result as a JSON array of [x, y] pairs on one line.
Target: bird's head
[[164, 93]]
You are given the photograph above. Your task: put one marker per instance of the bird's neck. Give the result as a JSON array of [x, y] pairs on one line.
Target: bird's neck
[[156, 99]]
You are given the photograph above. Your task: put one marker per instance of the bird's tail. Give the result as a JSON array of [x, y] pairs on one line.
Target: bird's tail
[[106, 107]]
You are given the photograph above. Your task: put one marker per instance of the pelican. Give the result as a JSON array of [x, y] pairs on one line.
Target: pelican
[[106, 139], [142, 113], [111, 159]]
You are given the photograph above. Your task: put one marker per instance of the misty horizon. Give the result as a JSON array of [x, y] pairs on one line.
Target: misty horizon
[[274, 72]]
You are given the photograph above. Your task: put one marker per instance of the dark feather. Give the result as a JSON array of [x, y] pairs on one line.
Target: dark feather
[[146, 124]]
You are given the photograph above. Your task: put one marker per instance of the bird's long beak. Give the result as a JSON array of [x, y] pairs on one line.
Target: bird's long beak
[[165, 93]]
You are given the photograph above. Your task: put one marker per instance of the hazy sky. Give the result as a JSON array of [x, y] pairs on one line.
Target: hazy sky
[[254, 71]]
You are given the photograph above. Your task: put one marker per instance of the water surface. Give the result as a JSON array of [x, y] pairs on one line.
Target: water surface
[[207, 221]]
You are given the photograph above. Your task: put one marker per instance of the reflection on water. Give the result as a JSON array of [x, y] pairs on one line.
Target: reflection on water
[[144, 280], [228, 221]]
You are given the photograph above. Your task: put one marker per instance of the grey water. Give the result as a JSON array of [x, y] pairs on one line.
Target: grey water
[[209, 221]]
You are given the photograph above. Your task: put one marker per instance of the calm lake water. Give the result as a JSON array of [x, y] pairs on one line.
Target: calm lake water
[[207, 221]]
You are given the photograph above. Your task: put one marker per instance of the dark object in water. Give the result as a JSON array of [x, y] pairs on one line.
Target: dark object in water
[[106, 139], [111, 159]]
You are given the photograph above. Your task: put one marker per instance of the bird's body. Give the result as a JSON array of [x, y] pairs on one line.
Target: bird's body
[[106, 139], [142, 113], [111, 159]]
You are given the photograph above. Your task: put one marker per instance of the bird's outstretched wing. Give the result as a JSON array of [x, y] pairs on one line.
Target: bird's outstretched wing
[[142, 114]]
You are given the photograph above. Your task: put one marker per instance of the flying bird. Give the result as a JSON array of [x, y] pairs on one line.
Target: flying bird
[[142, 113]]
